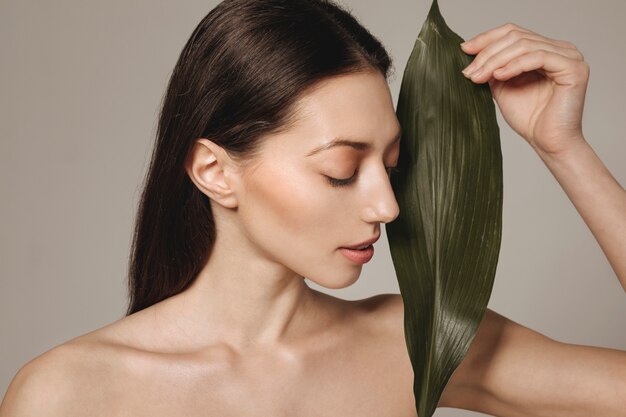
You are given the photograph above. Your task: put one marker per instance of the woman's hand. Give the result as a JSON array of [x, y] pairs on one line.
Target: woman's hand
[[541, 93], [538, 83]]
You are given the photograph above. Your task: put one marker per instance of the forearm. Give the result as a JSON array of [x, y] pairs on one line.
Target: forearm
[[598, 197]]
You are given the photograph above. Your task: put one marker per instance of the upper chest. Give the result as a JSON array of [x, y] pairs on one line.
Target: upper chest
[[364, 371], [352, 380]]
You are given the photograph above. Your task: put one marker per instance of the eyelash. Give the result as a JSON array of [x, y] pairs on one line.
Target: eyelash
[[335, 182]]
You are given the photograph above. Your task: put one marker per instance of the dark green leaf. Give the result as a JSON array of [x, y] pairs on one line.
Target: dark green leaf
[[446, 241]]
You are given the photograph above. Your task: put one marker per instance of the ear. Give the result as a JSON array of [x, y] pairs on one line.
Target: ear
[[208, 167]]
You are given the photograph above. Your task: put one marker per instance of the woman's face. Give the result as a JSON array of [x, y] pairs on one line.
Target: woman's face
[[294, 212]]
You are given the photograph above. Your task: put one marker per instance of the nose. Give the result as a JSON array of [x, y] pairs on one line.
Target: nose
[[380, 202]]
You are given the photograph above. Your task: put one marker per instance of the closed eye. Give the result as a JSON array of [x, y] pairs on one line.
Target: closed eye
[[338, 182]]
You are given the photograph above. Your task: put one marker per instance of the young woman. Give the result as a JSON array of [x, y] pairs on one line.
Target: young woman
[[246, 195]]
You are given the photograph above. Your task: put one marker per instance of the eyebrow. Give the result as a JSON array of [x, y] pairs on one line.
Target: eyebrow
[[359, 146]]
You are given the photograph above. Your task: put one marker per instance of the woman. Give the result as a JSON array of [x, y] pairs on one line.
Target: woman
[[244, 197]]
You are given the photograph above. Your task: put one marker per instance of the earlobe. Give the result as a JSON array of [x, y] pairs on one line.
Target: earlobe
[[207, 165]]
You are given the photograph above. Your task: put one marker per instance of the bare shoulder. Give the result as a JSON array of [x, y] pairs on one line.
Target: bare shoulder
[[385, 320], [46, 384], [63, 379], [511, 369], [386, 311], [473, 375]]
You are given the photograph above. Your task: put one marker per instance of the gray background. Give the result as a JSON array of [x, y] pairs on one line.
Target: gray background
[[80, 88]]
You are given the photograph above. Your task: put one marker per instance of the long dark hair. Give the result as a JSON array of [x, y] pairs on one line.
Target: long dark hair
[[236, 79]]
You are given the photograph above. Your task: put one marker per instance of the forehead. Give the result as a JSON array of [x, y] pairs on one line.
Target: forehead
[[357, 105]]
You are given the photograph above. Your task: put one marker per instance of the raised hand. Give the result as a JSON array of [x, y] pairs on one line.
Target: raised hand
[[538, 83]]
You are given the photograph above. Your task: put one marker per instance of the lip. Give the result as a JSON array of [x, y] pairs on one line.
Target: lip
[[367, 242], [357, 255]]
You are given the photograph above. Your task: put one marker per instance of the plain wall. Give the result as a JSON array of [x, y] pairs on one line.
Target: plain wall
[[80, 88]]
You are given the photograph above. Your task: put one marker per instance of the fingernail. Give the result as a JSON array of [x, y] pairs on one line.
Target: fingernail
[[476, 73], [468, 70]]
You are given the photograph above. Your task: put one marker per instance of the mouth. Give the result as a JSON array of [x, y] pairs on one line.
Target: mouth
[[361, 252], [359, 256], [363, 245]]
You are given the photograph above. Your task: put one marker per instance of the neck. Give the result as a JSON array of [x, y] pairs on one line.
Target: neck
[[242, 299]]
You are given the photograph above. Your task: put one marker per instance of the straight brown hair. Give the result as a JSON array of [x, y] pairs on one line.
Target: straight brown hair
[[236, 79]]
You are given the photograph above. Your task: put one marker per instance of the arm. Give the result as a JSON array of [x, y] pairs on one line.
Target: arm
[[598, 197], [547, 113], [513, 371]]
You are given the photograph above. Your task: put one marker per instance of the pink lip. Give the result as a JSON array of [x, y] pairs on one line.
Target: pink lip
[[367, 242], [359, 256]]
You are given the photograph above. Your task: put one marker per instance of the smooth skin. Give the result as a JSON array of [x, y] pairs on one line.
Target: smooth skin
[[250, 338]]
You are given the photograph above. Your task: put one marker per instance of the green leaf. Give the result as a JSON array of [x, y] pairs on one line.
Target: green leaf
[[445, 242]]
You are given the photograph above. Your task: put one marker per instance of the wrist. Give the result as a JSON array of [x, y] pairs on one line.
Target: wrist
[[574, 146]]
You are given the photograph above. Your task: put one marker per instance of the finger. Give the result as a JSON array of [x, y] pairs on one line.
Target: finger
[[519, 48], [559, 68], [521, 41], [477, 43]]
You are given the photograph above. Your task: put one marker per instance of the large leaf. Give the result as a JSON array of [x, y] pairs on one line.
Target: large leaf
[[446, 241]]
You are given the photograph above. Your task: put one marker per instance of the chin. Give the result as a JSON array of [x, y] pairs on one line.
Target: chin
[[338, 281]]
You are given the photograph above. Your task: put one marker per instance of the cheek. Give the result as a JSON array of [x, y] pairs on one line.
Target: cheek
[[285, 209], [298, 221]]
